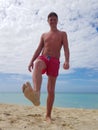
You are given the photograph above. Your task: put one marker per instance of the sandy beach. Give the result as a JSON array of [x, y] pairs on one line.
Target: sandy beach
[[19, 117]]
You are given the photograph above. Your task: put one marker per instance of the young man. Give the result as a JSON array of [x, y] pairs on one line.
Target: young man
[[46, 60]]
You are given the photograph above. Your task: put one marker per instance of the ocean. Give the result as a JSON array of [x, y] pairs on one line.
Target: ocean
[[65, 100]]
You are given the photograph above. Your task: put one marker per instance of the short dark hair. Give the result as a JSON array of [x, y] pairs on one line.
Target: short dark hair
[[52, 14]]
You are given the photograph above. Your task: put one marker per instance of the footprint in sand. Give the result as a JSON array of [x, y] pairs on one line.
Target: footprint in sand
[[7, 114], [34, 115]]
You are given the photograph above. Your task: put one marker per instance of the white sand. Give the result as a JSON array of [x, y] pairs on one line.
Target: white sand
[[16, 117]]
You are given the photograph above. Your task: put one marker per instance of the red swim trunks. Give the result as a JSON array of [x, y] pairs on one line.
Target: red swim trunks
[[52, 65]]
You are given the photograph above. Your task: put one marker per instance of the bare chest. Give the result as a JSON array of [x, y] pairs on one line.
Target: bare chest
[[53, 39]]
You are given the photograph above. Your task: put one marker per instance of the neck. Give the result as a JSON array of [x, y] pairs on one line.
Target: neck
[[53, 29]]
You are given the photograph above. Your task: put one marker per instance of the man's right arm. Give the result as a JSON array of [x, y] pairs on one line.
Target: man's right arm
[[36, 53]]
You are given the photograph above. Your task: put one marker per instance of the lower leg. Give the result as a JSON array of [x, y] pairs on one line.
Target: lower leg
[[37, 80], [37, 75], [50, 101], [51, 96]]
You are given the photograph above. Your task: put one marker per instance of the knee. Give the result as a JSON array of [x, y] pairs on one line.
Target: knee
[[38, 65], [51, 92]]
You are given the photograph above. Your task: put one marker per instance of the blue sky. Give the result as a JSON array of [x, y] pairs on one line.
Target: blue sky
[[20, 32]]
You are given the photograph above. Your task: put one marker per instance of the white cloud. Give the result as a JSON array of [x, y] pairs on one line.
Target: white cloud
[[22, 22]]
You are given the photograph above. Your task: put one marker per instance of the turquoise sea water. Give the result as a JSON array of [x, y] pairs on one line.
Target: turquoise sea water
[[68, 100]]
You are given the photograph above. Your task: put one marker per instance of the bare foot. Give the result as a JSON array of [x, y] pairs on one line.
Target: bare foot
[[48, 119], [30, 94]]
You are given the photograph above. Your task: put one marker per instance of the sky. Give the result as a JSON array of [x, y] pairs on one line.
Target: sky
[[22, 23]]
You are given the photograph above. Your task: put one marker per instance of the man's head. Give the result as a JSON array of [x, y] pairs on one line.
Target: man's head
[[52, 14], [52, 19]]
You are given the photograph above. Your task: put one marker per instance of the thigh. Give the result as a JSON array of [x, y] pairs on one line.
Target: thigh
[[51, 83], [53, 68]]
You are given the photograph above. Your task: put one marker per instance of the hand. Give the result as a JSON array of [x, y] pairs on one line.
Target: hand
[[30, 67], [66, 65]]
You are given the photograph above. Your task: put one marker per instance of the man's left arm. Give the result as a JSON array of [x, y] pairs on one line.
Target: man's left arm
[[66, 51]]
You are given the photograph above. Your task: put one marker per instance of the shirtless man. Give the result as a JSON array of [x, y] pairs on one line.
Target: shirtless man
[[46, 60]]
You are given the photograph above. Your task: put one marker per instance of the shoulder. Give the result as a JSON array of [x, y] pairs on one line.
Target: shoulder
[[44, 34], [63, 33]]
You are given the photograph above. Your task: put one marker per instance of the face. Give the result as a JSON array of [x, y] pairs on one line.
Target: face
[[53, 21]]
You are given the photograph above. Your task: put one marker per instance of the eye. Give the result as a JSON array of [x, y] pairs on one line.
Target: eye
[[51, 20]]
